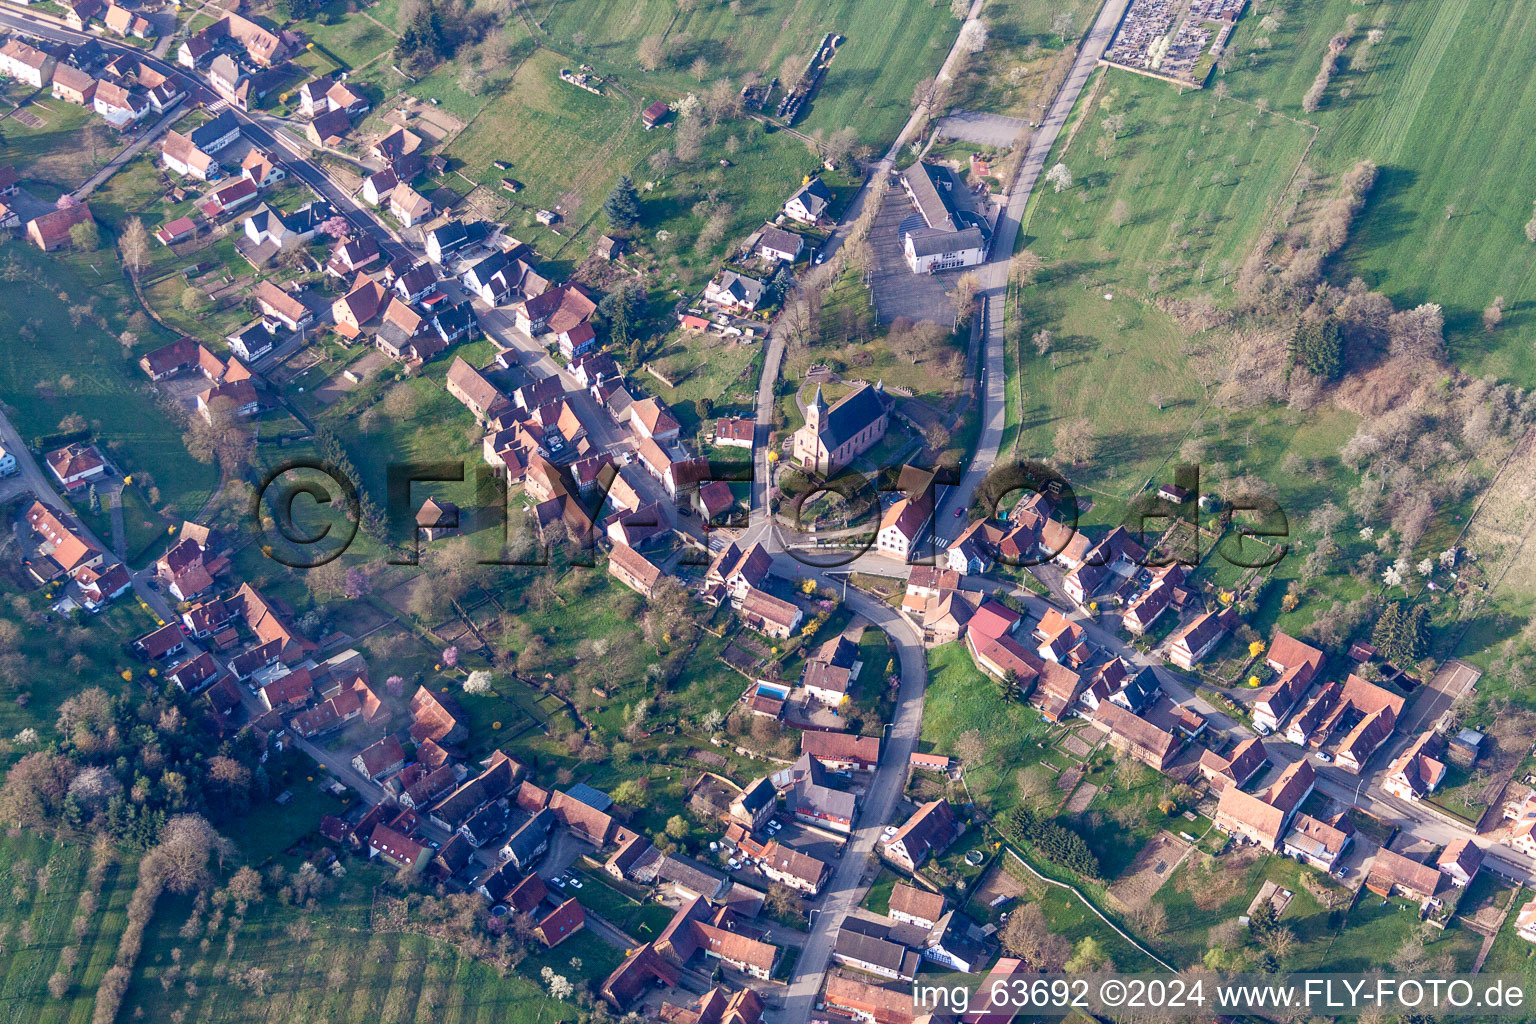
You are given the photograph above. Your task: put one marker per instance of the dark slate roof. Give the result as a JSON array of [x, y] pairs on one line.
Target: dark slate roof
[[851, 415], [207, 134]]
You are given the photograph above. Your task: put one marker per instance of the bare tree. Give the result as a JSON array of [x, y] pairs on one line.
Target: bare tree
[[135, 246], [650, 53]]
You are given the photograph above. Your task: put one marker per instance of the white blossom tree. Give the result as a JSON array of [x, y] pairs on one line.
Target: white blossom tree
[[1059, 177], [479, 681]]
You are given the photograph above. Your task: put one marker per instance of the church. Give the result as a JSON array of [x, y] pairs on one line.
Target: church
[[834, 436]]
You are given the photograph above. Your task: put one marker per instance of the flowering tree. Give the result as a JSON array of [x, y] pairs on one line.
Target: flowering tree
[[357, 584], [479, 681], [451, 656], [394, 685]]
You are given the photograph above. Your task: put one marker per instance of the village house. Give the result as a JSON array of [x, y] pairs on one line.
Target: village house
[[810, 799], [560, 924], [78, 13], [735, 432], [717, 1006], [1197, 639], [777, 244], [1460, 861], [835, 435], [1392, 874], [329, 129], [1136, 736], [446, 241], [799, 871], [124, 22], [914, 906], [354, 254], [554, 311], [633, 569], [228, 197], [733, 292], [930, 830], [841, 752], [1417, 772], [280, 308], [72, 85], [409, 206], [25, 64], [651, 418], [474, 391], [772, 616], [380, 759], [1235, 769], [810, 203], [50, 231], [182, 157], [1318, 843], [903, 524], [358, 306], [867, 946]]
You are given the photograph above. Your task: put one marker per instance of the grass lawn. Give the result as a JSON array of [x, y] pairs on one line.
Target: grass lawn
[[53, 369], [878, 900], [961, 698]]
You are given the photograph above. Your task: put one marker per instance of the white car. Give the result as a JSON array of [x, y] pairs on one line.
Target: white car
[[1324, 756], [575, 882], [557, 882], [889, 831], [734, 864]]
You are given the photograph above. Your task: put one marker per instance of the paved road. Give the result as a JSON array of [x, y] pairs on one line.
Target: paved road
[[847, 888], [133, 149]]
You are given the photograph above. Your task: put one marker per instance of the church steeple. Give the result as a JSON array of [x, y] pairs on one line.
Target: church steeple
[[816, 411]]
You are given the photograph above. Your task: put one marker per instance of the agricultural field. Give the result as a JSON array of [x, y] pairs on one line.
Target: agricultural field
[[1433, 104], [44, 881]]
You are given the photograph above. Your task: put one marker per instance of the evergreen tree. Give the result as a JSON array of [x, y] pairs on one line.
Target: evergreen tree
[[95, 501], [1402, 635], [622, 207], [1318, 347]]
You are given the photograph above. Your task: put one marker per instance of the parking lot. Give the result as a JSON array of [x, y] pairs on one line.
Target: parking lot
[[899, 292]]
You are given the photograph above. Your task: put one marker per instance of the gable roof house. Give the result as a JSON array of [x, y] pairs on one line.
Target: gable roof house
[[902, 525], [868, 946], [474, 390], [1318, 843], [929, 831], [1393, 874], [777, 244], [633, 569], [26, 64], [914, 906], [810, 203], [125, 23], [75, 464], [72, 85], [78, 13], [556, 310], [118, 106], [1134, 735], [280, 307], [182, 157], [560, 924], [50, 231], [1238, 767], [735, 292], [1460, 861], [1417, 772], [409, 206], [227, 197], [328, 129], [1200, 636], [380, 759], [358, 306]]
